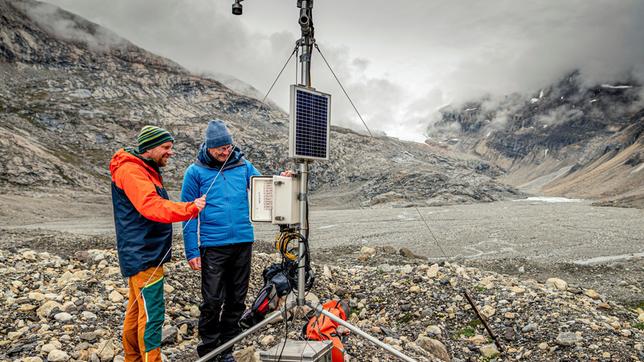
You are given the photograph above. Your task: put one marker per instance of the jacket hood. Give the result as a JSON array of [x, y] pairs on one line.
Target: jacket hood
[[126, 155], [206, 160]]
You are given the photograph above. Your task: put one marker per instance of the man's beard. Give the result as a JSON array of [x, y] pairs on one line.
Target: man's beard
[[163, 161]]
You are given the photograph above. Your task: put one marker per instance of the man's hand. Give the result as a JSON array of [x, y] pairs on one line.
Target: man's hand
[[195, 263], [200, 203], [288, 173]]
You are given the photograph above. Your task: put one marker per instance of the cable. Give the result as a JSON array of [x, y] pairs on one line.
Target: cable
[[345, 92], [285, 336], [282, 244], [432, 233], [279, 74], [297, 55], [465, 292], [290, 259]]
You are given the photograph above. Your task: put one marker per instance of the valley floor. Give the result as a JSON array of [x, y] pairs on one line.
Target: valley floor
[[601, 247]]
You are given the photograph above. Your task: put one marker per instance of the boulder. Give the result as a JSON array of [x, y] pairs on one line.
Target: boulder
[[556, 283], [435, 347]]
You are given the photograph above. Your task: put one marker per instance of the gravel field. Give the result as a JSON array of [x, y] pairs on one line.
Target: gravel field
[[70, 308], [602, 247], [538, 229]]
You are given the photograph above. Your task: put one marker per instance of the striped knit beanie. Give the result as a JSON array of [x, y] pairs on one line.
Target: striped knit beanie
[[151, 136]]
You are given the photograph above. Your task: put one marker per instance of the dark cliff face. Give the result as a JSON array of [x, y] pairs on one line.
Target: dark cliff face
[[565, 125], [72, 93]]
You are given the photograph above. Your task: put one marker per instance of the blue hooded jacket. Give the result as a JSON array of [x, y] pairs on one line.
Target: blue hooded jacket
[[225, 219]]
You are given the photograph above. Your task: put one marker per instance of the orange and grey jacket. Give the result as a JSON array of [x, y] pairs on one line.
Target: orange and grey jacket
[[143, 215]]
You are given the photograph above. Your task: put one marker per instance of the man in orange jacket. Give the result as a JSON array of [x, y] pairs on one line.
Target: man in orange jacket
[[143, 217]]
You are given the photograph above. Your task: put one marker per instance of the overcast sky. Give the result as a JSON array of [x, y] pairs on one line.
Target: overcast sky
[[399, 60]]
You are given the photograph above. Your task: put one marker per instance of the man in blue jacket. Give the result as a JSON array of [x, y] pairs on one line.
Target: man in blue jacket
[[220, 245]]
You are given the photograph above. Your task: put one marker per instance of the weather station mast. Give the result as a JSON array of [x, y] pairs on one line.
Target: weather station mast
[[282, 200], [305, 46]]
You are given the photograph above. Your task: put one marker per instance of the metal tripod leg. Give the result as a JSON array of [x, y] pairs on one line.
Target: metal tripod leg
[[362, 333], [269, 318]]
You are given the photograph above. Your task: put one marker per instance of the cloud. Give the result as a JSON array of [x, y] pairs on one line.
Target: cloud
[[72, 29], [399, 61], [560, 114]]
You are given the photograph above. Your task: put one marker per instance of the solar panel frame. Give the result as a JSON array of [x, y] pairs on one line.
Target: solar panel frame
[[310, 125]]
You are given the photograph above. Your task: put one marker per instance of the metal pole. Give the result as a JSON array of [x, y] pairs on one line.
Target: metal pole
[[304, 230], [478, 314], [362, 333], [307, 39], [306, 45], [269, 318]]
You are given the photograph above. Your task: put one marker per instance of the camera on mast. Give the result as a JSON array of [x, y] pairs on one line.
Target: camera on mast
[[237, 7]]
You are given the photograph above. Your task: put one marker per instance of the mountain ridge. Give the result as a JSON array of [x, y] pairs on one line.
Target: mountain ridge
[[66, 107], [566, 140]]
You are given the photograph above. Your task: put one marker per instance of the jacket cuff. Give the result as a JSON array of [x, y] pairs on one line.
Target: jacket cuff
[[193, 209], [191, 254]]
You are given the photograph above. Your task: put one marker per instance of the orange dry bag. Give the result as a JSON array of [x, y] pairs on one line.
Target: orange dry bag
[[321, 327]]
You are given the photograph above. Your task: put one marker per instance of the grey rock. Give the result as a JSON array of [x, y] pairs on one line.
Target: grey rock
[[88, 336], [106, 350], [509, 334], [489, 351], [22, 348], [435, 347], [529, 328], [48, 309], [405, 252], [169, 334], [63, 317], [57, 355], [568, 339], [245, 355], [88, 315]]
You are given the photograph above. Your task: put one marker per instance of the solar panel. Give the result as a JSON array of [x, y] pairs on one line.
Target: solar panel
[[309, 128]]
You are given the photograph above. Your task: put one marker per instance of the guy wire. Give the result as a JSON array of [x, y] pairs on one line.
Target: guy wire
[[345, 92], [432, 233], [279, 74], [467, 295]]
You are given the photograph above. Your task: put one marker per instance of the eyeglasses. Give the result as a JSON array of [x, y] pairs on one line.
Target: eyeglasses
[[224, 148]]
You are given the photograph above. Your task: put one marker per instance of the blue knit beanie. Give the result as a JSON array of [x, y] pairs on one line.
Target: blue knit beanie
[[217, 134]]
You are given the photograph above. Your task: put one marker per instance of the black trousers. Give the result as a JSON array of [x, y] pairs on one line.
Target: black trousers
[[225, 271]]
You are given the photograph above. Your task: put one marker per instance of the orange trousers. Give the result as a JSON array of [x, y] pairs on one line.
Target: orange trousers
[[144, 317]]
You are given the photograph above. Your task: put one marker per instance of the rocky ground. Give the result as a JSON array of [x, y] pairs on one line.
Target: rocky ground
[[64, 299]]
